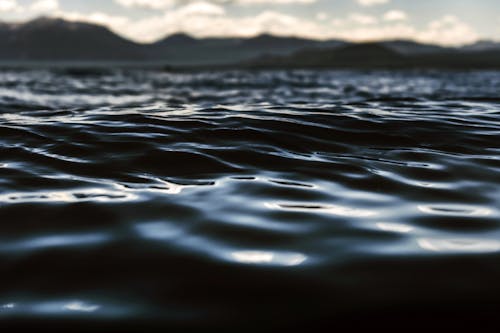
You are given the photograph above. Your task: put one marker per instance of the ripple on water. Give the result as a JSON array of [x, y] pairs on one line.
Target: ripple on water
[[289, 183], [160, 186], [63, 308], [54, 241], [322, 208], [95, 194], [270, 258], [455, 210], [395, 227], [459, 245], [175, 235], [159, 231]]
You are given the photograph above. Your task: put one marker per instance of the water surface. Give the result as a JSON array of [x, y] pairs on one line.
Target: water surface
[[263, 199]]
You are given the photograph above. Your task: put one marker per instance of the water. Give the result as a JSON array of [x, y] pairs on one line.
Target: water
[[248, 199]]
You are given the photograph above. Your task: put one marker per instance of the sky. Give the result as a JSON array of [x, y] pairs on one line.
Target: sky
[[446, 22]]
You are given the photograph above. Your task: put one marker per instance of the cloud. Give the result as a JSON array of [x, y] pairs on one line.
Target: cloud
[[395, 15], [44, 6], [206, 18], [166, 4], [151, 4], [116, 22], [8, 5], [201, 8], [36, 7], [273, 2], [448, 30], [368, 3], [376, 32], [204, 23]]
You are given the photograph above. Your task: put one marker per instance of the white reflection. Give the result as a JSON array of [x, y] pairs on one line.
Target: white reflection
[[64, 307], [81, 307], [60, 307], [269, 258], [99, 195], [54, 241], [158, 230], [455, 210], [405, 180], [62, 100], [253, 257], [394, 227], [172, 188], [163, 187], [328, 209], [290, 183], [459, 245]]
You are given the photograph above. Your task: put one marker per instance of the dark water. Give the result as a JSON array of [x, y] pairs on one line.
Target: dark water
[[235, 199]]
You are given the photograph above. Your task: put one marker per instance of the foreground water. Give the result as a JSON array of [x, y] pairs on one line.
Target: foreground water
[[239, 198]]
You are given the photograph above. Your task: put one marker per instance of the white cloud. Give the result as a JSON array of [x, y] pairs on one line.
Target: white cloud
[[211, 23], [377, 32], [165, 4], [201, 8], [395, 15], [8, 5], [36, 7], [368, 3], [117, 22], [448, 30], [44, 6], [204, 19], [275, 2], [151, 4]]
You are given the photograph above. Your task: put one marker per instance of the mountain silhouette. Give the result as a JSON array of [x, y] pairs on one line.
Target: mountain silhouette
[[51, 40], [177, 40], [483, 45], [385, 55], [184, 49], [56, 39], [411, 48], [364, 55]]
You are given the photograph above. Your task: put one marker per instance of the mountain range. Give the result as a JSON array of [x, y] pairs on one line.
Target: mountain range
[[52, 40], [383, 55]]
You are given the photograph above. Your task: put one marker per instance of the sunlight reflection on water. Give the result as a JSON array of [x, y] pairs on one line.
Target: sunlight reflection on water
[[462, 245], [54, 241], [268, 258]]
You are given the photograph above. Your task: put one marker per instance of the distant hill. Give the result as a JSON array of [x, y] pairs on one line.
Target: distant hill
[[412, 48], [482, 45], [185, 50], [382, 55], [46, 39], [53, 40]]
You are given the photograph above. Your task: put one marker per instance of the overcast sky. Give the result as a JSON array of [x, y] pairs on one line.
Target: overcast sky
[[450, 22]]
